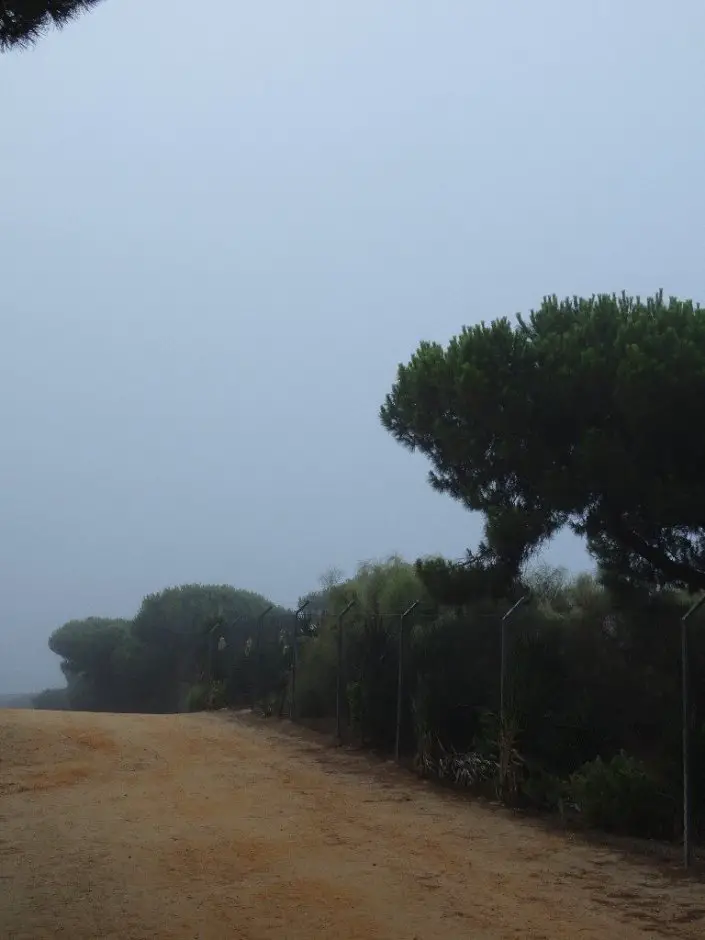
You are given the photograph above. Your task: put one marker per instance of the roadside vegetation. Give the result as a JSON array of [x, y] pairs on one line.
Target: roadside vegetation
[[584, 415]]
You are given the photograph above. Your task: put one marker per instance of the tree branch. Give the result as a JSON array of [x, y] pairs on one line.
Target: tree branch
[[689, 575]]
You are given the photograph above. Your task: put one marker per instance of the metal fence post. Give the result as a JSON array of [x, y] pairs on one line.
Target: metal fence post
[[339, 683], [503, 656], [294, 659], [257, 687], [212, 649], [400, 678], [685, 703]]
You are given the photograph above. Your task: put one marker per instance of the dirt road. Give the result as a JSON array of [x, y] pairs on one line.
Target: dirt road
[[147, 828]]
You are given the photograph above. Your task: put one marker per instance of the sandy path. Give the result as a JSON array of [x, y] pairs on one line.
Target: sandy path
[[122, 826]]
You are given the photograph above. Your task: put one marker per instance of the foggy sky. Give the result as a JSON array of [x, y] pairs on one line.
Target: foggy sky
[[218, 243]]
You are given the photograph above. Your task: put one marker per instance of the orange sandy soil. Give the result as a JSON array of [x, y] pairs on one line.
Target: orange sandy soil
[[210, 826]]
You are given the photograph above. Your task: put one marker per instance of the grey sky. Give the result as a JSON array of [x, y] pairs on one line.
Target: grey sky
[[218, 244]]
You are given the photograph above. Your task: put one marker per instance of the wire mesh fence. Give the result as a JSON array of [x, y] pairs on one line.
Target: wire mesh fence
[[518, 697], [354, 673]]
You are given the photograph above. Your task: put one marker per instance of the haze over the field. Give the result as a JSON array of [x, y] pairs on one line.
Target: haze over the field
[[219, 240]]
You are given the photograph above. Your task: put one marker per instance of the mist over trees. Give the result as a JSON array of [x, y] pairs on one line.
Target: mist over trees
[[148, 664], [583, 415]]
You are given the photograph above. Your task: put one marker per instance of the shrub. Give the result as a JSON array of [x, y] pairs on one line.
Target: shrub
[[206, 696], [543, 790], [354, 696], [467, 770], [621, 796], [472, 770], [196, 697], [53, 699], [317, 675], [372, 664]]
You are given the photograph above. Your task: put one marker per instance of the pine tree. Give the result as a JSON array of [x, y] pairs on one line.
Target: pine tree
[[22, 22]]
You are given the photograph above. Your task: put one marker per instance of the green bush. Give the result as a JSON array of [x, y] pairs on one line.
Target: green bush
[[206, 696], [317, 675], [543, 790], [196, 697], [354, 696], [372, 667], [621, 796], [53, 699]]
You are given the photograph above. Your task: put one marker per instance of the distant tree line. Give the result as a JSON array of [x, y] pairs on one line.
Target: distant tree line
[[592, 712], [17, 701], [584, 415], [150, 663]]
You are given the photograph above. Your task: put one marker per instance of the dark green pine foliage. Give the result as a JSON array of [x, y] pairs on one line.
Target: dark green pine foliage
[[586, 415], [22, 22]]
